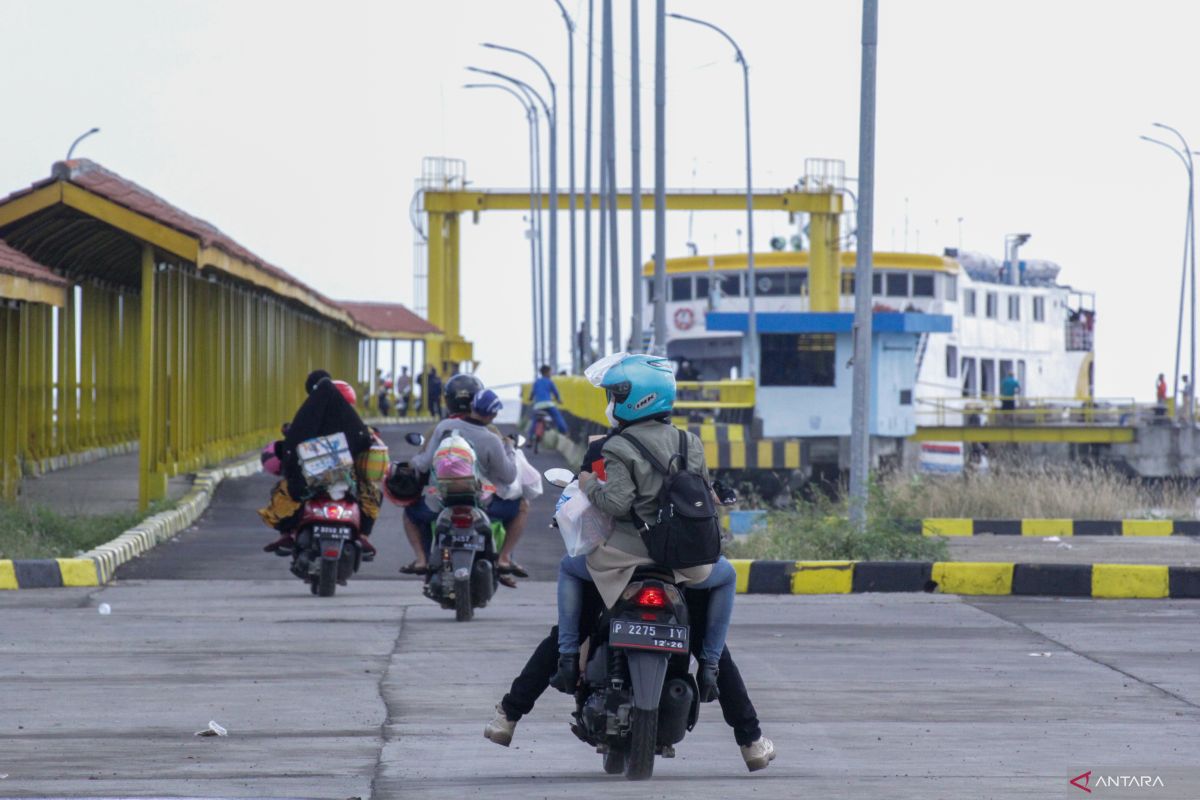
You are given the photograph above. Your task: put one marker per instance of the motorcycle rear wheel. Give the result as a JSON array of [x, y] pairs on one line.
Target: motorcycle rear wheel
[[614, 762], [462, 600], [327, 582], [643, 736]]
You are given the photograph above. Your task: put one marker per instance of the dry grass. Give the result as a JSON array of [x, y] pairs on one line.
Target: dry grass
[[1054, 491]]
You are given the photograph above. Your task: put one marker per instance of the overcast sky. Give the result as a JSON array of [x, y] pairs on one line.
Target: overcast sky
[[298, 128]]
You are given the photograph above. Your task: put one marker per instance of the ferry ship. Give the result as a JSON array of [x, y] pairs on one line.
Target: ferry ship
[[948, 327]]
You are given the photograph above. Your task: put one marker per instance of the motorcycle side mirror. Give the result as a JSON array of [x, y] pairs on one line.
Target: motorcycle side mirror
[[558, 476], [519, 440], [415, 439]]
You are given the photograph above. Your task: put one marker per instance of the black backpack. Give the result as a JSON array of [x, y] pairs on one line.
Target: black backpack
[[685, 532]]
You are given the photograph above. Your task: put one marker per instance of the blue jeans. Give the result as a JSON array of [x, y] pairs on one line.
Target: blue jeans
[[555, 414], [722, 583]]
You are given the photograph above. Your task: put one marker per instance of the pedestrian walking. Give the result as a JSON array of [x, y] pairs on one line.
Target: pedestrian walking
[[433, 390]]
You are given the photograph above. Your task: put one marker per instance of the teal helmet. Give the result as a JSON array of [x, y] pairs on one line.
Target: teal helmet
[[639, 387]]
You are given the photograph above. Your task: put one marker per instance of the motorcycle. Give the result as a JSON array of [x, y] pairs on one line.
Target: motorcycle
[[638, 696], [541, 419], [462, 561], [327, 549]]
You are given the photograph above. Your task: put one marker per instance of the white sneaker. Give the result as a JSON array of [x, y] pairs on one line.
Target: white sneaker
[[758, 754], [500, 730]]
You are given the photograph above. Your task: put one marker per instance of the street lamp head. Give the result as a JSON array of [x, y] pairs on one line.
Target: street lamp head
[[78, 139]]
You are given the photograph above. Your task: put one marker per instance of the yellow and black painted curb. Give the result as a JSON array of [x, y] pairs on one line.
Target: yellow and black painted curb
[[967, 578], [98, 565], [1061, 527]]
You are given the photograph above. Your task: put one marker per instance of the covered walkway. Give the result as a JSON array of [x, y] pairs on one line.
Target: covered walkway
[[127, 319]]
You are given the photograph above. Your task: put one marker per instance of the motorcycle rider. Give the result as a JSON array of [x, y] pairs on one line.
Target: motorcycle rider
[[496, 463], [641, 395], [329, 409], [543, 396], [757, 750]]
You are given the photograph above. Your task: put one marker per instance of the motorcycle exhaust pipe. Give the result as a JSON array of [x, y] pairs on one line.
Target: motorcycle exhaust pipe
[[674, 710]]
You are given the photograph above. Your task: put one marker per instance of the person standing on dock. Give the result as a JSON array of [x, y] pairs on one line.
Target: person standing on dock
[[1160, 396]]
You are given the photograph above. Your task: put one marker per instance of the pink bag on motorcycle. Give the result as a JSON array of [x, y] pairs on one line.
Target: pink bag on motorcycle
[[454, 458]]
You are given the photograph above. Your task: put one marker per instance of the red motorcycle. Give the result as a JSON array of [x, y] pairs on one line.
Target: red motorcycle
[[328, 549]]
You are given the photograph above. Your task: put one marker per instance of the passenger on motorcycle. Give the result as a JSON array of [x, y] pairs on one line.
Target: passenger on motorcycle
[[496, 463], [544, 397], [757, 750], [329, 409], [641, 394]]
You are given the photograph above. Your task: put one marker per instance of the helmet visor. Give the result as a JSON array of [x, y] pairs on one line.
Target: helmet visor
[[596, 372]]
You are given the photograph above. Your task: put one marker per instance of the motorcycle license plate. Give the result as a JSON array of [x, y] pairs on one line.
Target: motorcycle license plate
[[648, 636], [331, 532], [466, 540]]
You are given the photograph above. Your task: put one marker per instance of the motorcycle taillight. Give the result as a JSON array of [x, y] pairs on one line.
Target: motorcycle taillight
[[651, 597], [462, 518]]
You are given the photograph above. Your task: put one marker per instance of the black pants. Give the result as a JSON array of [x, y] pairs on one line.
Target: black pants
[[735, 702]]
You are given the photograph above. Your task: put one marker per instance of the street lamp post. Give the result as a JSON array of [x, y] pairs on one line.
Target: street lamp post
[[531, 116], [1189, 252], [552, 116], [752, 291], [78, 139], [539, 310], [576, 358]]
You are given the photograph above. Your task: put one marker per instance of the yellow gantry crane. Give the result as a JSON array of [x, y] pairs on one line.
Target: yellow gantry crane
[[444, 208]]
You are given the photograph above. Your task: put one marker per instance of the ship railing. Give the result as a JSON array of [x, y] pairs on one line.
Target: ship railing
[[1036, 411]]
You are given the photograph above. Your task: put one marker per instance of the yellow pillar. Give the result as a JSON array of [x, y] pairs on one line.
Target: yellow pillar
[[152, 482], [436, 285], [824, 273], [453, 321]]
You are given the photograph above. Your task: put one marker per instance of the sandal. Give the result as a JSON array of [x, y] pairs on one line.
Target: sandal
[[513, 568], [506, 580], [412, 569]]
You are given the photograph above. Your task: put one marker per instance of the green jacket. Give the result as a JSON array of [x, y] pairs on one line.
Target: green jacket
[[632, 483]]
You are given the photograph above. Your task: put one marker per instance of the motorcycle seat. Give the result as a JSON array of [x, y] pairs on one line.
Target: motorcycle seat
[[654, 571]]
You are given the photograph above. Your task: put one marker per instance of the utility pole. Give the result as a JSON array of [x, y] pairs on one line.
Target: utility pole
[[635, 124], [610, 157], [587, 192], [860, 403], [660, 177]]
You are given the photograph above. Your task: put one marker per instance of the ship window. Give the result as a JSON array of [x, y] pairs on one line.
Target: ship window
[[951, 361], [681, 289], [877, 283], [731, 285], [1014, 306], [803, 359], [1039, 309], [650, 291], [797, 283], [848, 283], [701, 288], [897, 284], [1021, 374], [922, 285], [906, 397], [772, 285], [952, 288], [992, 301], [987, 376], [969, 302], [970, 384]]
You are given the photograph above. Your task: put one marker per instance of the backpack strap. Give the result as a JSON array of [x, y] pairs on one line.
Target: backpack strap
[[646, 454], [683, 449]]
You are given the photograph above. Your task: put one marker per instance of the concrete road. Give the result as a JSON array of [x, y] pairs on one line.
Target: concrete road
[[226, 543], [1177, 551], [378, 693]]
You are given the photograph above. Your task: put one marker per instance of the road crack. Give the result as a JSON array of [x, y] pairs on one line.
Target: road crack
[[381, 688]]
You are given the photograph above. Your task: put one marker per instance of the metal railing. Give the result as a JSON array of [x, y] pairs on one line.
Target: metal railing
[[1038, 411]]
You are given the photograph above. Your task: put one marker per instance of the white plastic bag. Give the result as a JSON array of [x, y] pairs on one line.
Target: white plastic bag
[[529, 478], [582, 525]]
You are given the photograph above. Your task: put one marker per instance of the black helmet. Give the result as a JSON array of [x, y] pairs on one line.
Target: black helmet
[[460, 391]]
